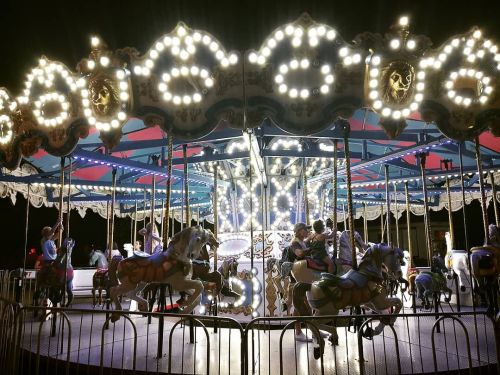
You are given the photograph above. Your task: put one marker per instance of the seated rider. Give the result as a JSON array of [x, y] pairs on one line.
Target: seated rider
[[49, 248], [317, 244], [298, 244]]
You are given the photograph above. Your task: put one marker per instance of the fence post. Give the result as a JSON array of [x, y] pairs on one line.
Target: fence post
[[497, 340]]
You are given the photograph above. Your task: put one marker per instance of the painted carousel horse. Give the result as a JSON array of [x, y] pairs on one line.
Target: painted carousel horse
[[50, 280], [229, 269], [433, 282], [485, 264], [356, 288], [345, 254], [103, 278], [169, 266], [456, 261]]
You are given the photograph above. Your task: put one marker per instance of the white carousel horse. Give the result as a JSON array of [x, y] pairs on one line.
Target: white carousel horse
[[170, 266], [432, 282], [361, 287], [456, 260], [97, 256]]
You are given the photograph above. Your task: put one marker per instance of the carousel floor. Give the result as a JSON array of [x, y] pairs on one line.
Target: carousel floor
[[88, 342]]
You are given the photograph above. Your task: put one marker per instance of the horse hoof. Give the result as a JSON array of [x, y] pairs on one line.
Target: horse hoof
[[115, 317], [333, 340], [368, 333], [317, 352]]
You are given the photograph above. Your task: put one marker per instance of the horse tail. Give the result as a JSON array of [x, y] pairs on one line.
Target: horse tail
[[299, 298]]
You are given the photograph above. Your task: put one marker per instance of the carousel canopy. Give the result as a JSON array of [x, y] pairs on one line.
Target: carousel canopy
[[281, 108]]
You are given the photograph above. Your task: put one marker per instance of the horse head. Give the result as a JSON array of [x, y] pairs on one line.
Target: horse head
[[494, 235], [380, 255], [188, 243]]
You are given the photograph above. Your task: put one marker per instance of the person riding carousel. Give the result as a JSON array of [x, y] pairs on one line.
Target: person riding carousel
[[152, 241], [62, 265], [49, 248], [317, 245]]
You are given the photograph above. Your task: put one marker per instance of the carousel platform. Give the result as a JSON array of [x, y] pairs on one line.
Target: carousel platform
[[224, 345]]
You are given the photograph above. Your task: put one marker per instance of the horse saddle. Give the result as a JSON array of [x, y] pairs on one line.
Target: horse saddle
[[350, 280], [312, 264], [201, 262], [101, 271], [140, 254]]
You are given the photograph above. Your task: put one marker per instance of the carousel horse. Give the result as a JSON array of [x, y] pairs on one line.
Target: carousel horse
[[485, 265], [50, 279], [169, 266], [228, 269], [103, 278], [307, 271], [357, 287], [456, 261], [429, 283]]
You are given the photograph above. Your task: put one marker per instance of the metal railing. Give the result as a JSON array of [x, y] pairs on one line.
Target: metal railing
[[86, 341]]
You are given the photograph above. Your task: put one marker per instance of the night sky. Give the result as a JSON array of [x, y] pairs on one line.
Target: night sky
[[61, 31]]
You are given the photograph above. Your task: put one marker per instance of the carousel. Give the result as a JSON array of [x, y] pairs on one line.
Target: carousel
[[244, 150]]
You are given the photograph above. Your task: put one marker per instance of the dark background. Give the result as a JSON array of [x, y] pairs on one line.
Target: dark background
[[61, 30]]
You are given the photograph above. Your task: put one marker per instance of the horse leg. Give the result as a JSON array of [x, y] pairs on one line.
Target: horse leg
[[427, 293], [383, 303], [134, 295], [180, 283], [125, 287]]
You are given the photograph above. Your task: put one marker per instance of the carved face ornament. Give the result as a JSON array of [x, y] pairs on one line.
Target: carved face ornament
[[398, 79], [103, 96], [400, 84]]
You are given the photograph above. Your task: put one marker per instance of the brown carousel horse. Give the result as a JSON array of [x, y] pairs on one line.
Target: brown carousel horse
[[104, 277], [485, 264], [51, 278], [362, 287]]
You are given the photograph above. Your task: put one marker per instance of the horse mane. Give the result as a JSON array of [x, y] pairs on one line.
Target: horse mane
[[181, 238]]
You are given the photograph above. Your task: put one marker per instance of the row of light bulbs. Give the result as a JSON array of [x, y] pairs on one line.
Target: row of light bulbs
[[8, 106]]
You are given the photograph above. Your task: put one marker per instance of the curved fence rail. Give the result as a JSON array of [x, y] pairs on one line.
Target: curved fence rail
[[43, 340]]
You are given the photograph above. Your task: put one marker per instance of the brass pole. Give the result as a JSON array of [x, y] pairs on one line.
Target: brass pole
[[112, 213], [186, 185], [23, 278], [166, 223], [162, 219], [382, 222], [108, 198], [335, 191], [134, 237], [153, 195], [61, 200], [304, 190], [388, 205], [408, 227], [397, 213], [68, 202], [216, 210], [347, 129], [450, 213], [494, 196], [345, 217], [365, 223], [481, 189], [428, 233]]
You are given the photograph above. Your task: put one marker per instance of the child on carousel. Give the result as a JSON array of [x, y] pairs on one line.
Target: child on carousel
[[317, 245]]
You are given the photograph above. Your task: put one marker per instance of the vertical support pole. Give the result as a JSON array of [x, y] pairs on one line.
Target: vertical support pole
[[199, 220], [166, 223], [345, 217], [216, 211], [153, 196], [481, 189], [335, 196], [462, 189], [134, 236], [494, 196], [382, 223], [112, 213], [396, 215], [347, 129], [408, 224], [186, 185], [450, 213], [365, 223], [250, 181], [108, 201], [162, 221], [388, 205], [61, 200], [22, 284], [68, 202], [428, 233], [306, 200]]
